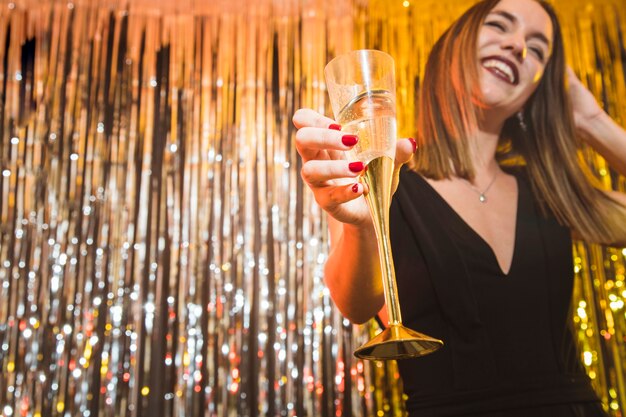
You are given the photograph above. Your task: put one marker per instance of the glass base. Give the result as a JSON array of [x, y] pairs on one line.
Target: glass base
[[398, 342]]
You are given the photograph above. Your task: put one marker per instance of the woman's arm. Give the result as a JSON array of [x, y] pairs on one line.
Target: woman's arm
[[609, 140], [599, 130], [352, 271]]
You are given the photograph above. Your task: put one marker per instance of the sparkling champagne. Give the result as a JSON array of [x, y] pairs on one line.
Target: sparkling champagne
[[372, 117]]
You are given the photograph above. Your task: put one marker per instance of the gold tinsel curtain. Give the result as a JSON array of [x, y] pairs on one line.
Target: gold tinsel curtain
[[159, 255]]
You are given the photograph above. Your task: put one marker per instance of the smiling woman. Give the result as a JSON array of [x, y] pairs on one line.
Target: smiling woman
[[483, 218], [513, 47], [482, 99]]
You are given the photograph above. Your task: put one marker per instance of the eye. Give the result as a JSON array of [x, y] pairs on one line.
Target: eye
[[496, 24], [538, 52]]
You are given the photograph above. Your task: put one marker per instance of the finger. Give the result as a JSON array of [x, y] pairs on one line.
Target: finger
[[332, 196], [405, 149], [311, 118], [572, 78], [311, 140], [317, 173], [570, 72]]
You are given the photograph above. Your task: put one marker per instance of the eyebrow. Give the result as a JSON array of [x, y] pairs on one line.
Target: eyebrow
[[513, 19]]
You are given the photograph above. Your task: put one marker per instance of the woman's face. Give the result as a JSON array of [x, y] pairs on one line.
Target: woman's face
[[514, 45]]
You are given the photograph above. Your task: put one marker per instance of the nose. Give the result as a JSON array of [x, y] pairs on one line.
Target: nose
[[516, 43]]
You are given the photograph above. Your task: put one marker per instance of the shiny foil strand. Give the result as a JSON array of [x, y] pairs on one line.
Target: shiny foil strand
[[593, 49], [179, 282], [153, 172]]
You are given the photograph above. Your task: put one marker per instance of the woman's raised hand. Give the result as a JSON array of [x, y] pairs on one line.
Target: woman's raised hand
[[333, 179], [598, 129], [584, 105]]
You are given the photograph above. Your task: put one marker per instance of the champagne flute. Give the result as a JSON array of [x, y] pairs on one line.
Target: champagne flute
[[361, 87]]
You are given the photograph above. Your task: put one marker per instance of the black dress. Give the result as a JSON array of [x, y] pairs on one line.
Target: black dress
[[509, 349]]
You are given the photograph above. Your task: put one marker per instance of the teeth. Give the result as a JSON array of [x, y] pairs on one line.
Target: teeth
[[494, 63]]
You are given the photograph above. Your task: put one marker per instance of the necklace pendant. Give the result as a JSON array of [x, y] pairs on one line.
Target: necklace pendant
[[482, 198]]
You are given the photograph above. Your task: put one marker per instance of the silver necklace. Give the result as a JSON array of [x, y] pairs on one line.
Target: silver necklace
[[482, 195]]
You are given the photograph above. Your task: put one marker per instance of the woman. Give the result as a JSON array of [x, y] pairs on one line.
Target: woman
[[482, 218]]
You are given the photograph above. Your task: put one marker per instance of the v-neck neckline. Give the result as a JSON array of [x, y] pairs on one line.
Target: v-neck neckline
[[484, 242]]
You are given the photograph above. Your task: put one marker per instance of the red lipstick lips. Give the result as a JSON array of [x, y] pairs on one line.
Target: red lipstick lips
[[502, 68]]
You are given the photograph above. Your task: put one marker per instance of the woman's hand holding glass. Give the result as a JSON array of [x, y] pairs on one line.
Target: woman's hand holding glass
[[334, 180], [337, 189]]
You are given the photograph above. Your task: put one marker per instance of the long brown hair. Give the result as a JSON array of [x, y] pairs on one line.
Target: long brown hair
[[548, 147]]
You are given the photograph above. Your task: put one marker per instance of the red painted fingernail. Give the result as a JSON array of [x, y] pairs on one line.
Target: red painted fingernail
[[355, 188], [334, 126], [414, 144], [349, 140], [356, 166]]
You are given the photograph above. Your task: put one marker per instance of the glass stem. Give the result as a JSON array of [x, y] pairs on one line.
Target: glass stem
[[378, 177]]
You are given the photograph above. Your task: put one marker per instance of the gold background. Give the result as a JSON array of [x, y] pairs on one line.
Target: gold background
[[159, 254]]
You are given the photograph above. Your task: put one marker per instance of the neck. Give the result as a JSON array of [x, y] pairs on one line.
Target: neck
[[483, 145]]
